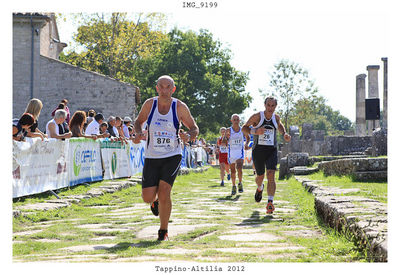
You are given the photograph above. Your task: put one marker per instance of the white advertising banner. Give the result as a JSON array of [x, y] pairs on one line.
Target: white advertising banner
[[84, 161], [116, 159], [136, 156], [39, 166]]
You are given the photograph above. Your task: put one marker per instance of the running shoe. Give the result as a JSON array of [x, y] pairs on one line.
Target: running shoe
[[240, 186], [163, 235], [233, 190], [228, 176], [270, 207], [154, 207], [258, 195], [222, 183]]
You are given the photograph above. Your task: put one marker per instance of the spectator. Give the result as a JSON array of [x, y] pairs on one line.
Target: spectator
[[52, 128], [118, 127], [20, 126], [64, 102], [76, 125], [111, 124], [90, 117], [127, 123], [103, 128], [34, 107], [131, 132], [63, 127], [94, 127]]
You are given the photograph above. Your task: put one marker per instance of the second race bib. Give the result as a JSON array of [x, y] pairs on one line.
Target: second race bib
[[267, 138]]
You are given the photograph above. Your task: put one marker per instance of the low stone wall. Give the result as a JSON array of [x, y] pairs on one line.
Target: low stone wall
[[330, 145], [312, 160], [360, 219], [360, 168], [292, 160]]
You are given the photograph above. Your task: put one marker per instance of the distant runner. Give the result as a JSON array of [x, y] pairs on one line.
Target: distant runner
[[236, 149], [222, 147]]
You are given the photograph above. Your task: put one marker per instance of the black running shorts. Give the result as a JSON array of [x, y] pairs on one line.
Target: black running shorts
[[266, 157], [165, 169]]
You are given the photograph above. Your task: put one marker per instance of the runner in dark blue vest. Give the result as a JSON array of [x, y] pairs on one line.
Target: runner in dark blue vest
[[264, 150]]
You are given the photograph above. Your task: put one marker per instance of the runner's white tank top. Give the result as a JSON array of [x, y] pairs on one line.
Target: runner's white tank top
[[235, 143], [162, 136]]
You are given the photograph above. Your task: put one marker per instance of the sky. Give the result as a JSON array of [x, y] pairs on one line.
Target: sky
[[334, 46]]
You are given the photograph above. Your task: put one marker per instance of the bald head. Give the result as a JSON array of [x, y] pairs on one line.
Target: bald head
[[235, 116], [166, 77], [235, 119]]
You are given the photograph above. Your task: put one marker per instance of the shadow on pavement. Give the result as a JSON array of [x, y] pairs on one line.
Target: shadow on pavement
[[125, 245], [255, 219]]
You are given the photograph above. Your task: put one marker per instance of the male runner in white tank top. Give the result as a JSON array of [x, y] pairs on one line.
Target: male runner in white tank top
[[163, 152], [264, 153], [236, 148]]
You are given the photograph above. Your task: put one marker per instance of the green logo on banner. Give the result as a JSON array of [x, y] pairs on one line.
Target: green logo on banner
[[77, 168], [114, 163]]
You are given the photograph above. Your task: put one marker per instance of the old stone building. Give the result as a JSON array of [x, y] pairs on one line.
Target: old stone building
[[37, 73]]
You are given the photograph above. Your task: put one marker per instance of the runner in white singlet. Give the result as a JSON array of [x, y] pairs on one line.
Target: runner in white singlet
[[163, 152], [236, 149]]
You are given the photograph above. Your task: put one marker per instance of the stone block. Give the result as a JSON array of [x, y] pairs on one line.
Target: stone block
[[297, 159], [283, 168], [303, 170], [360, 168], [306, 131], [293, 130], [379, 142], [317, 135]]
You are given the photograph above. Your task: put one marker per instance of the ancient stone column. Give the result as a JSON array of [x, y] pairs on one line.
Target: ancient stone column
[[361, 125], [373, 92], [385, 88]]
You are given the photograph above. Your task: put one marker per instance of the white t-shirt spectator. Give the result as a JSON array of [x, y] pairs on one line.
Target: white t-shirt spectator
[[93, 128], [126, 130], [116, 131], [55, 127]]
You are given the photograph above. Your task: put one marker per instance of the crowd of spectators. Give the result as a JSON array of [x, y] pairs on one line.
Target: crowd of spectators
[[88, 124], [62, 126]]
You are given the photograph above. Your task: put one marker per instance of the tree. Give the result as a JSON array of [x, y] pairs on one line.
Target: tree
[[205, 79], [289, 83], [315, 110], [112, 43]]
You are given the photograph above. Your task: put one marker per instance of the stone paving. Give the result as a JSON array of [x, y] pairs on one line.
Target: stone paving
[[217, 221]]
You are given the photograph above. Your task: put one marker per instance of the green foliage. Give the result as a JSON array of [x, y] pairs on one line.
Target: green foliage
[[205, 80], [315, 110], [113, 43]]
